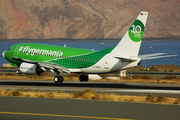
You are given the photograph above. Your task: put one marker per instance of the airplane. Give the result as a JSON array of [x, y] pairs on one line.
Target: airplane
[[34, 58]]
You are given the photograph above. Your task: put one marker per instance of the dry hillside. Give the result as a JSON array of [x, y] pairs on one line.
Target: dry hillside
[[86, 19]]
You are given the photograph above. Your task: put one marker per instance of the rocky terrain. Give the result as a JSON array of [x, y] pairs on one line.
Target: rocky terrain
[[86, 19]]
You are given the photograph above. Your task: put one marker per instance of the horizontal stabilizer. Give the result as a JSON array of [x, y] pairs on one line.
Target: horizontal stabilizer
[[156, 57], [150, 55], [127, 58]]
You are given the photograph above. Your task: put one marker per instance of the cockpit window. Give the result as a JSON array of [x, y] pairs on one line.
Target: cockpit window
[[8, 49]]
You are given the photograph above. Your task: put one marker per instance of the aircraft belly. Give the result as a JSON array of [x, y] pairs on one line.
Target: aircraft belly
[[75, 70], [94, 70], [113, 64], [105, 65]]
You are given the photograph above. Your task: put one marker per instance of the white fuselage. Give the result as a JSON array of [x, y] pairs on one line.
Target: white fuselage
[[108, 64]]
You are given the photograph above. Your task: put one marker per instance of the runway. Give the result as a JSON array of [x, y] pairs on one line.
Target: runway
[[129, 73], [19, 108], [139, 89]]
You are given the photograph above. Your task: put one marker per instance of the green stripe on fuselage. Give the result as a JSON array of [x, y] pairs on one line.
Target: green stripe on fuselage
[[82, 61], [65, 56]]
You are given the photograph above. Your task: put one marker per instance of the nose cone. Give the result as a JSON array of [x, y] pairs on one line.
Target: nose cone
[[3, 54]]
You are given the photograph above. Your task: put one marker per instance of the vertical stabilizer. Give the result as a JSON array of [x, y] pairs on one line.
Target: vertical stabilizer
[[131, 41]]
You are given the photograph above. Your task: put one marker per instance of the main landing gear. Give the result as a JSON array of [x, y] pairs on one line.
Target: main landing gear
[[84, 78], [58, 79]]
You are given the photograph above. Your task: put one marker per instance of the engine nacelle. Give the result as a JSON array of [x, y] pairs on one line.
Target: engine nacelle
[[30, 68]]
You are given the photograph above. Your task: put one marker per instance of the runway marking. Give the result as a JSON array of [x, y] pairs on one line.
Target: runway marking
[[56, 115]]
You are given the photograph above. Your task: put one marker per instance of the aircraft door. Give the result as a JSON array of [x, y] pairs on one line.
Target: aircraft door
[[16, 51], [106, 63]]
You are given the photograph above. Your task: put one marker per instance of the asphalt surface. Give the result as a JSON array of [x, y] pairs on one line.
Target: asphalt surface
[[19, 108], [8, 70], [139, 89]]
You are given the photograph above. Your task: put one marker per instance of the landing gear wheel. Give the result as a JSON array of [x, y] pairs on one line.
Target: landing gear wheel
[[18, 72], [61, 79], [56, 79], [86, 78], [83, 78]]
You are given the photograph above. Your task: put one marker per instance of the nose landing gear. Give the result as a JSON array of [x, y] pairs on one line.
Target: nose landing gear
[[18, 72]]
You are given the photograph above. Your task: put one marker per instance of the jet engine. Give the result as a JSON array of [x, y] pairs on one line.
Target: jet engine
[[30, 68]]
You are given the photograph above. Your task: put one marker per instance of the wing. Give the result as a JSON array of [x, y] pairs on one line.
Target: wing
[[46, 66], [155, 56]]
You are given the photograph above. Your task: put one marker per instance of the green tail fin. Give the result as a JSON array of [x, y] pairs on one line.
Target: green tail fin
[[131, 41]]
